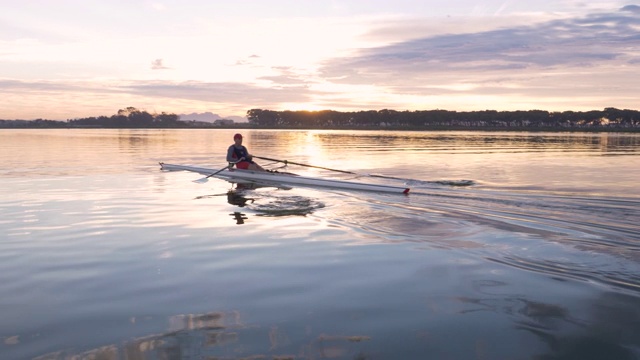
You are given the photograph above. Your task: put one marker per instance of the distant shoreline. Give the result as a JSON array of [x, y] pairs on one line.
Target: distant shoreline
[[606, 120], [360, 128]]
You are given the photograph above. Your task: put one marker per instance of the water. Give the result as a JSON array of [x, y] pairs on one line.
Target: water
[[509, 246]]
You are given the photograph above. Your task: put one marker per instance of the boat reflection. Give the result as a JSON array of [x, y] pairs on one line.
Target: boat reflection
[[238, 198], [239, 217], [268, 203]]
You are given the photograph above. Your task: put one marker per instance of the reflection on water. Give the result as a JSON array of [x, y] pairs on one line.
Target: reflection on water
[[594, 338], [238, 199], [102, 248], [609, 333], [269, 203], [596, 334], [266, 203], [220, 335], [239, 217], [277, 206], [502, 141]]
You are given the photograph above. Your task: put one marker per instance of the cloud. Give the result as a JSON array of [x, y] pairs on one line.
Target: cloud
[[157, 64], [14, 86], [158, 6], [190, 90], [584, 42], [632, 8], [250, 60], [218, 92], [231, 98]]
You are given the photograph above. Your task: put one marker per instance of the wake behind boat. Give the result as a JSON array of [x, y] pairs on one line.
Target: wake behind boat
[[275, 178]]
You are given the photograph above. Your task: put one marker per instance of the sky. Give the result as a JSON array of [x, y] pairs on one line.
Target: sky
[[65, 59]]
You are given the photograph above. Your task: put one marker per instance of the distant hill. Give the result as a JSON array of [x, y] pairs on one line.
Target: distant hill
[[210, 117]]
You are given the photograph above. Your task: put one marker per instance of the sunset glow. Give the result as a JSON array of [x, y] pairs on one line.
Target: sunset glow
[[72, 59]]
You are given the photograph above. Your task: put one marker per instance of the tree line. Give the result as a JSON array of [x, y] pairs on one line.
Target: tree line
[[600, 120], [609, 118], [129, 117]]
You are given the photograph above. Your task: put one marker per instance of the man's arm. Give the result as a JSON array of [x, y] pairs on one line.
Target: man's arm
[[231, 156]]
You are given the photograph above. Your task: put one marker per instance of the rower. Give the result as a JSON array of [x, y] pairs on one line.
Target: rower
[[239, 155]]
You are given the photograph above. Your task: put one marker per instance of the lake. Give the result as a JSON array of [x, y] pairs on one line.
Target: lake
[[510, 245]]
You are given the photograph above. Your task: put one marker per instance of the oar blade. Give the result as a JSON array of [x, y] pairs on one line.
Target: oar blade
[[202, 180], [205, 179]]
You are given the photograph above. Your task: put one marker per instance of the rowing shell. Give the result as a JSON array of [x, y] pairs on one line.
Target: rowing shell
[[237, 175]]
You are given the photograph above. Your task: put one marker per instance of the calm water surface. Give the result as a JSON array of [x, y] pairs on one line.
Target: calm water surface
[[510, 246]]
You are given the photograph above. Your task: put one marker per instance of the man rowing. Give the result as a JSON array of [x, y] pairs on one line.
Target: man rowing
[[239, 155]]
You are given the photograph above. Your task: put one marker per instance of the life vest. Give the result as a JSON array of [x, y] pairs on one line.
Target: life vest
[[241, 153]]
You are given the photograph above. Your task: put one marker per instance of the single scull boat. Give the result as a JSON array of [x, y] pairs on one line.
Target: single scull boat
[[268, 177]]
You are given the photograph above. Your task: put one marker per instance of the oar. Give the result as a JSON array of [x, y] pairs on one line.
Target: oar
[[307, 165], [325, 168], [205, 179]]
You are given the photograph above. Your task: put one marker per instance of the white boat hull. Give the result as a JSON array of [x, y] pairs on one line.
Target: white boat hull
[[237, 175]]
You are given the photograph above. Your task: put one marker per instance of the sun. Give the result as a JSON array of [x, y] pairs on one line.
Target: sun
[[302, 107]]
